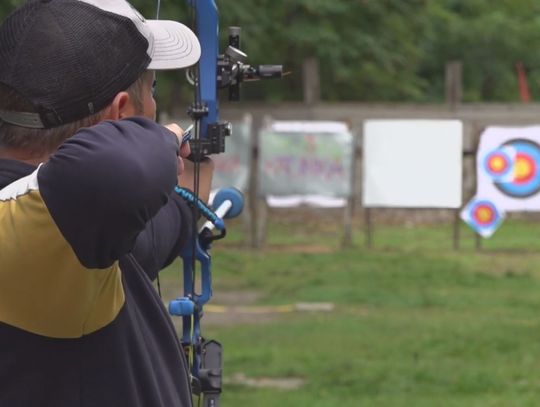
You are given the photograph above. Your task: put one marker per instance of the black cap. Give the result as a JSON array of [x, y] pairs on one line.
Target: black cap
[[69, 58]]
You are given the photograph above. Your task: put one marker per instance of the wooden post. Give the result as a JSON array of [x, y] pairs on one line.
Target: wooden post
[[347, 223], [477, 133], [256, 125], [262, 222], [348, 217], [311, 81], [247, 215], [368, 228], [258, 206], [478, 242], [456, 229], [453, 83]]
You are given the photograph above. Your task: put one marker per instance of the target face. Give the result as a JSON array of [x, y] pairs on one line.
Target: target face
[[484, 213], [498, 164], [483, 216], [514, 168]]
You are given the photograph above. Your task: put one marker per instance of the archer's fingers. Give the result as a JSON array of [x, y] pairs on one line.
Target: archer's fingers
[[185, 149]]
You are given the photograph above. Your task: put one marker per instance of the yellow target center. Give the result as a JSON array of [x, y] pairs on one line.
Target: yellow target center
[[522, 168], [484, 215], [497, 164]]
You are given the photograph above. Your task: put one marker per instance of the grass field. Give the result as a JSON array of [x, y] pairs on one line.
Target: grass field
[[415, 323]]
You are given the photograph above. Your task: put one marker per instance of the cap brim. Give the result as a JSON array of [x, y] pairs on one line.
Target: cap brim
[[175, 45]]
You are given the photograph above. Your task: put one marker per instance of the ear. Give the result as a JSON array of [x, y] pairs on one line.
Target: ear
[[120, 108]]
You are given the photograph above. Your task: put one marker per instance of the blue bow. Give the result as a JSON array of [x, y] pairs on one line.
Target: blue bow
[[213, 72]]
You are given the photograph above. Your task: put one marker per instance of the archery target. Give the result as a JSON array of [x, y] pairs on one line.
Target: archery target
[[514, 168], [508, 176], [498, 164], [483, 216]]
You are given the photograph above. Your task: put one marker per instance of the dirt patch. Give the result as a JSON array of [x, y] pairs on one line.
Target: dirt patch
[[228, 308], [281, 383], [251, 314], [236, 297], [236, 318], [239, 307], [298, 249]]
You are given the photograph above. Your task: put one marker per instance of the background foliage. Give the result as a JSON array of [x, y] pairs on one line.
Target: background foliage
[[376, 50]]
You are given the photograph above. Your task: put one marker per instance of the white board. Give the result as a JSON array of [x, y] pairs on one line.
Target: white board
[[412, 163]]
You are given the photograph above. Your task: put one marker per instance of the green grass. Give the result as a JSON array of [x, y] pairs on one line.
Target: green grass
[[416, 323]]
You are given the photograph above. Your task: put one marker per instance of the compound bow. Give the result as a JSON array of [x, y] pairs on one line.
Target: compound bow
[[214, 71]]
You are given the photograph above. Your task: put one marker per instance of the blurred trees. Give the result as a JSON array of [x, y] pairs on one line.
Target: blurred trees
[[394, 50], [375, 50], [490, 38]]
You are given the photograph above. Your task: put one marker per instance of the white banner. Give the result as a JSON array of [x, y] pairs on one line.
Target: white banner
[[412, 163]]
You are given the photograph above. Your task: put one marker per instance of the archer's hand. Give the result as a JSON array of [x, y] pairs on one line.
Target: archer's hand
[[186, 168], [185, 150]]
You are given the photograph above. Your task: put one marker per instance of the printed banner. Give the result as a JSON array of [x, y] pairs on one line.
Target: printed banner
[[306, 159], [508, 176]]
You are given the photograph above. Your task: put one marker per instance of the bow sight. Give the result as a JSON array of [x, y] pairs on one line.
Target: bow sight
[[233, 69]]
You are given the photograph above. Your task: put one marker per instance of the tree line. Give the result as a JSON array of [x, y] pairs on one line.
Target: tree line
[[375, 50]]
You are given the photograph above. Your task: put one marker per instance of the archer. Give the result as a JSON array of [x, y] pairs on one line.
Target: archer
[[88, 215]]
